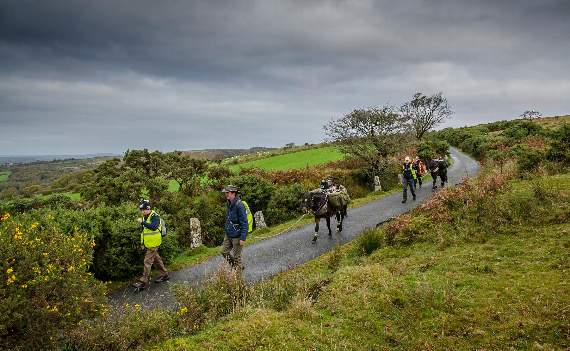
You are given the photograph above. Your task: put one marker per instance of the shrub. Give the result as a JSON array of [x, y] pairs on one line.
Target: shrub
[[45, 284], [335, 258], [218, 297], [559, 150], [431, 148], [210, 208], [528, 159], [285, 204], [521, 129], [130, 331], [254, 189], [117, 253], [369, 241]]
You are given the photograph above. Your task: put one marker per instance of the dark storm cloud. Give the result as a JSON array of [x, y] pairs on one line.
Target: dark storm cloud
[[73, 70]]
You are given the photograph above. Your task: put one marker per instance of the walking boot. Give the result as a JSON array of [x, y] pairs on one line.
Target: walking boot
[[162, 278]]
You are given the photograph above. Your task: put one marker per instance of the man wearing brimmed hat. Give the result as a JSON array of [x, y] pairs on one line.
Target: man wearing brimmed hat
[[151, 238], [236, 227]]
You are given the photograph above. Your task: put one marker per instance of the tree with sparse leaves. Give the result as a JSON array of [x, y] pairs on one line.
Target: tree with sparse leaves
[[370, 135], [530, 114], [425, 112]]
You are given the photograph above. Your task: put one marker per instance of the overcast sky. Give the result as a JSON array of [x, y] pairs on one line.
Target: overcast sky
[[103, 76]]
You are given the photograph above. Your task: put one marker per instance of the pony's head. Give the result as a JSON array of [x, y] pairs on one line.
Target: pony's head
[[314, 201]]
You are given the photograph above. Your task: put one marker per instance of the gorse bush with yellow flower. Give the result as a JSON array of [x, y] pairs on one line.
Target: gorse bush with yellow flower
[[45, 283]]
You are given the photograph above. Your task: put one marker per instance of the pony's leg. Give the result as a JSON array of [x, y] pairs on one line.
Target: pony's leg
[[338, 215], [329, 225], [342, 214], [317, 220]]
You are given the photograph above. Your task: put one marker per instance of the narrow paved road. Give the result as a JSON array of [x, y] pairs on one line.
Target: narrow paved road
[[284, 251]]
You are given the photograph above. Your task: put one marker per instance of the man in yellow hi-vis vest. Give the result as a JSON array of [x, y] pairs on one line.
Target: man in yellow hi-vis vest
[[151, 238]]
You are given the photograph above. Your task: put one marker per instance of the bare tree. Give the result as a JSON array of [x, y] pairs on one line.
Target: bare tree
[[530, 114], [370, 135], [425, 112]]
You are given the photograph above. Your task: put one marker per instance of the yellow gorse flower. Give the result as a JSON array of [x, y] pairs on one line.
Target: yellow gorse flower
[[34, 225], [6, 216], [11, 279], [17, 234], [182, 311]]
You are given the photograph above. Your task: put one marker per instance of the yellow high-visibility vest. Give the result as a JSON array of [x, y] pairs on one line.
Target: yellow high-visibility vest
[[151, 238]]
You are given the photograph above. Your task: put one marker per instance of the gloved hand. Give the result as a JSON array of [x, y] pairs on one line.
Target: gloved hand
[[139, 220]]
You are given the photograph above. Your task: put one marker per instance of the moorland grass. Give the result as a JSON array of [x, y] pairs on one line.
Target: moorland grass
[[507, 291]]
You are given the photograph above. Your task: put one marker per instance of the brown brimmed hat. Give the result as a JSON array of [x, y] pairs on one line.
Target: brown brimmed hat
[[230, 189]]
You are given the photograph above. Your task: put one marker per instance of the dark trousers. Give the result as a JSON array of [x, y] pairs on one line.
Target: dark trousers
[[418, 181], [231, 251], [405, 183]]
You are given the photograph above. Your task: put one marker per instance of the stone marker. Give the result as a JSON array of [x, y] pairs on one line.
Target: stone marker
[[259, 220], [195, 233], [377, 185]]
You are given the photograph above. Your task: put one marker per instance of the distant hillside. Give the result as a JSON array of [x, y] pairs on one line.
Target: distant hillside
[[35, 177], [7, 159], [220, 154]]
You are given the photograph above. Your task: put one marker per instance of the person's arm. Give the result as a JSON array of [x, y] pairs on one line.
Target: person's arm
[[154, 222], [242, 218]]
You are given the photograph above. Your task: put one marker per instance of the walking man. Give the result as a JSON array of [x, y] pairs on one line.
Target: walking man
[[236, 228], [151, 238], [408, 179], [434, 170], [442, 164]]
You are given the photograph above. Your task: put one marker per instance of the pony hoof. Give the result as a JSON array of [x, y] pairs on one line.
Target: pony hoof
[[315, 239]]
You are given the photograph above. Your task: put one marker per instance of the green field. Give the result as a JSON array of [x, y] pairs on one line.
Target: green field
[[294, 160], [4, 175]]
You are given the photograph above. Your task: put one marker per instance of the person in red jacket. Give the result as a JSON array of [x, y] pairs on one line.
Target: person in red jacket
[[420, 169]]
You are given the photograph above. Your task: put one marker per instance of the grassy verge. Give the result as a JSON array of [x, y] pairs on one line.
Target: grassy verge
[[497, 284]]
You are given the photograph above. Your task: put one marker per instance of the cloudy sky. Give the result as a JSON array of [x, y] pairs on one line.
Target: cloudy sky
[[102, 76]]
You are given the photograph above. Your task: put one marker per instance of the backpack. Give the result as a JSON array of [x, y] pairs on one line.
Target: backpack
[[422, 167], [249, 217]]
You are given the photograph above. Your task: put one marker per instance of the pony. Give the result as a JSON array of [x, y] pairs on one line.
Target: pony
[[325, 204]]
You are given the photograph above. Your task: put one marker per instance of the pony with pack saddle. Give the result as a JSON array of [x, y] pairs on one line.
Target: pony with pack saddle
[[327, 201]]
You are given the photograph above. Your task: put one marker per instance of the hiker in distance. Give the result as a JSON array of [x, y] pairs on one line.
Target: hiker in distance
[[236, 228], [151, 238], [438, 168], [420, 169], [408, 179]]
